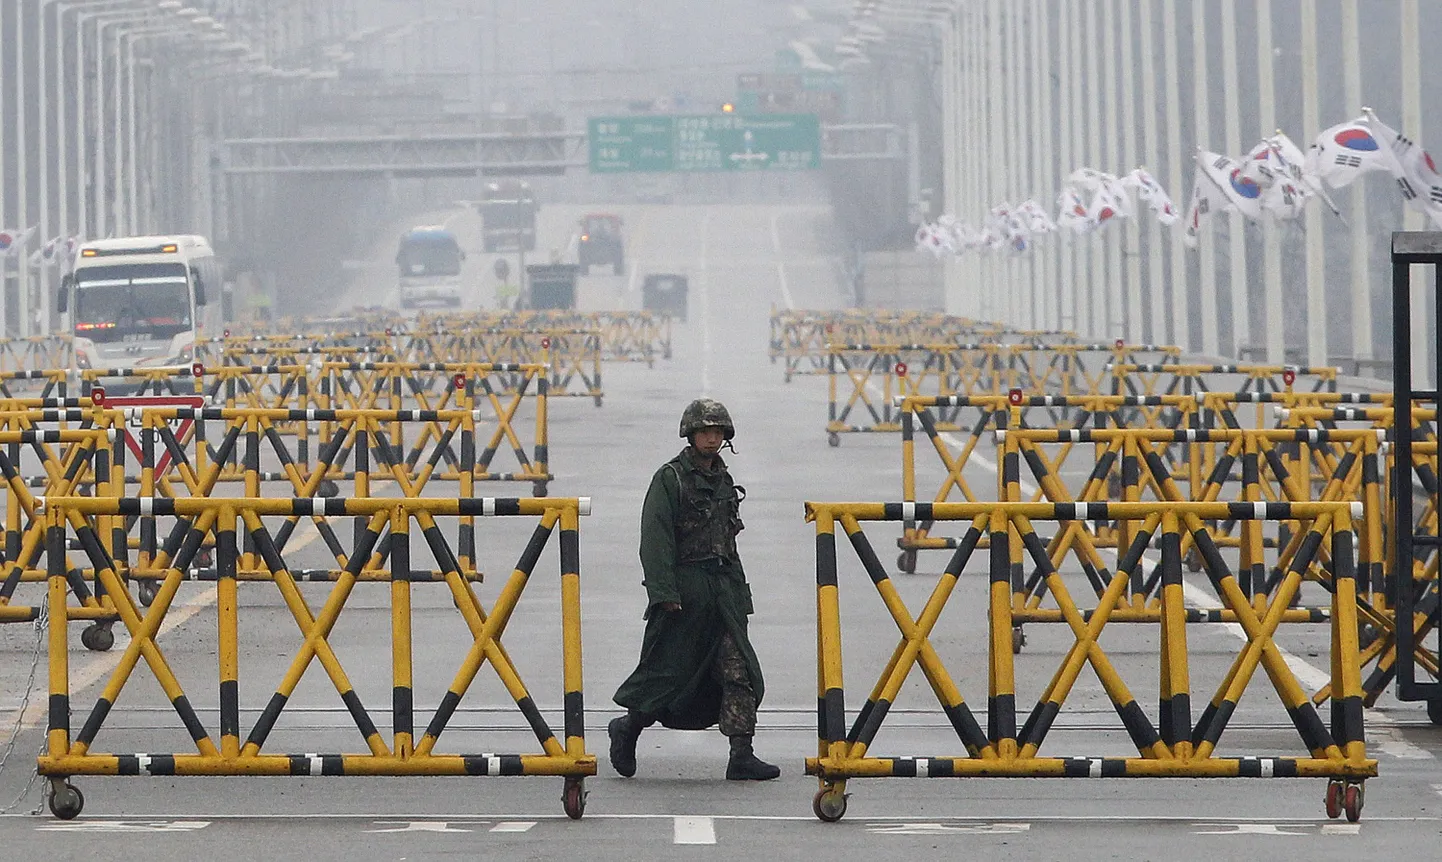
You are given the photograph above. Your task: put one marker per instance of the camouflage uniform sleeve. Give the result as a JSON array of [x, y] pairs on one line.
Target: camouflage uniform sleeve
[[658, 539]]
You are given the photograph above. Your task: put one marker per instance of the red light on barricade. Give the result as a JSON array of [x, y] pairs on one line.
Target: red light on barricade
[[1015, 397], [1289, 377], [1120, 343], [459, 380], [545, 343], [197, 370], [97, 396], [901, 369]]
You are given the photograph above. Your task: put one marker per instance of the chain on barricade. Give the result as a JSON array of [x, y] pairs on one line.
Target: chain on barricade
[[42, 624]]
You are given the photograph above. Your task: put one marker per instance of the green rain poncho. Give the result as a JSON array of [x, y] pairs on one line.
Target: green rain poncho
[[674, 680]]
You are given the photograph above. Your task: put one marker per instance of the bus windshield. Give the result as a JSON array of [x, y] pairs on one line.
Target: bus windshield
[[429, 255], [129, 301]]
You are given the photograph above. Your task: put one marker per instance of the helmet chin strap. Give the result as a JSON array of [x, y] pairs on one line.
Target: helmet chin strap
[[727, 444]]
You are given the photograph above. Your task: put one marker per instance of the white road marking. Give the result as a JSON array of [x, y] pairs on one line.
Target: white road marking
[[514, 826], [694, 830], [1248, 829], [472, 818], [780, 264], [415, 826], [947, 828], [121, 826]]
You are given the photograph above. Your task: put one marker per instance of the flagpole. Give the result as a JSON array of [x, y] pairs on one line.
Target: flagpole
[[1361, 288], [22, 149], [1237, 224], [1046, 297], [1422, 329], [1135, 320], [1010, 264], [1097, 315], [1179, 271], [1066, 244], [1207, 254], [976, 167], [5, 220], [1274, 325], [1021, 177], [950, 203], [997, 143], [1317, 349], [1156, 277]]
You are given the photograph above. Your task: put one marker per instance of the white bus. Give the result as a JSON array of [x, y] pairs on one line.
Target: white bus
[[139, 301], [430, 259]]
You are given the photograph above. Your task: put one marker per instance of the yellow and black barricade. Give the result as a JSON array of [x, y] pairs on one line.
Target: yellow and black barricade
[[1172, 743], [389, 525]]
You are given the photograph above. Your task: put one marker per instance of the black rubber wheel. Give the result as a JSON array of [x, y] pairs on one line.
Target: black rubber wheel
[[833, 439], [97, 637], [1193, 561], [328, 488], [1018, 640], [906, 562], [538, 489], [598, 400], [829, 805], [147, 590], [1434, 711], [573, 798], [66, 801]]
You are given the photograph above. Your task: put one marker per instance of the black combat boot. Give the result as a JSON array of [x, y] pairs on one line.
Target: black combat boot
[[745, 765], [624, 731]]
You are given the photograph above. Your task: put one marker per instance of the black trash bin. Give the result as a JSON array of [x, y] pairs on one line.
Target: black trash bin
[[552, 285], [665, 293]]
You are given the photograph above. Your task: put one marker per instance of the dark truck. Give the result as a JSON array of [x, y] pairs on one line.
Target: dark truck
[[601, 243], [508, 216]]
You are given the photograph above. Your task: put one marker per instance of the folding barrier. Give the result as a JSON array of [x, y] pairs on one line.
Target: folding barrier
[[1172, 745], [994, 412], [876, 375], [388, 525], [65, 469], [36, 352], [1039, 368], [1191, 379]]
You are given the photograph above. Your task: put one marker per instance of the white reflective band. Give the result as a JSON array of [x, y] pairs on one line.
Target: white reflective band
[[898, 400], [1356, 508], [143, 761], [318, 505], [1382, 436], [1279, 411], [1268, 765], [1075, 434], [1259, 510], [583, 505], [110, 435], [1096, 768], [39, 505], [147, 505], [488, 506], [317, 764], [1191, 435], [1000, 435], [310, 415], [493, 765], [908, 511], [922, 766], [1081, 510]]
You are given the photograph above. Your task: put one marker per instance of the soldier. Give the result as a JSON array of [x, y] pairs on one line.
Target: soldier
[[697, 667]]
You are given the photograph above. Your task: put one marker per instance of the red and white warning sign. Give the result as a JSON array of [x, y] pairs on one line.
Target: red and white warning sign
[[133, 404]]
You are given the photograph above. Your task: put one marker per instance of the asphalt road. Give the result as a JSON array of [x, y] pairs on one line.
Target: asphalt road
[[741, 261]]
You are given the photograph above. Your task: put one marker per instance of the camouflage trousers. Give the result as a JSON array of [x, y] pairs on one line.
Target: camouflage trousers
[[738, 701]]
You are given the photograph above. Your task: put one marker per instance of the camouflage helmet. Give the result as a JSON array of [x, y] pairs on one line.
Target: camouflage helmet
[[706, 413]]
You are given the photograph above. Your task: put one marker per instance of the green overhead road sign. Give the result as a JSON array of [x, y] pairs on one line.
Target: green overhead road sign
[[705, 142]]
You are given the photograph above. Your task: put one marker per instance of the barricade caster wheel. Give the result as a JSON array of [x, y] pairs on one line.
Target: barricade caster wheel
[[666, 354], [1333, 799], [598, 400], [906, 562], [833, 439], [328, 488], [829, 804], [97, 637], [1018, 640], [573, 798], [1366, 636], [1434, 711], [147, 591], [66, 801], [1193, 561], [1352, 799], [538, 489]]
